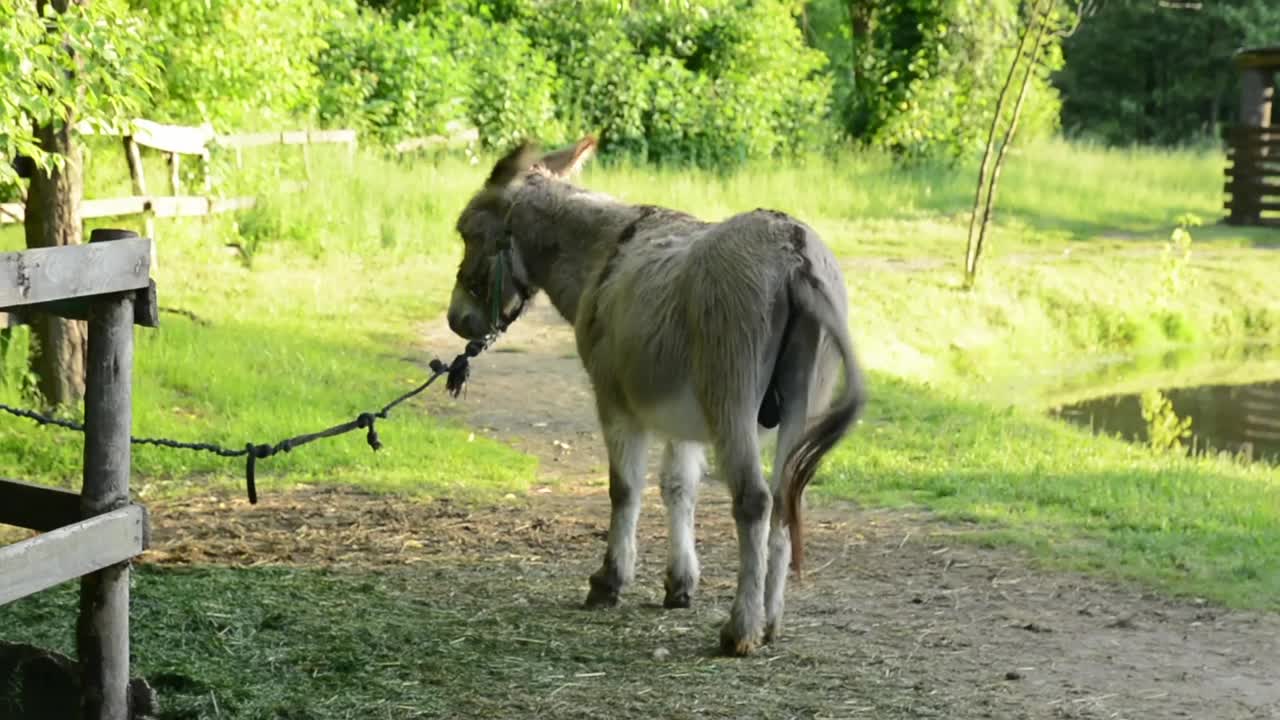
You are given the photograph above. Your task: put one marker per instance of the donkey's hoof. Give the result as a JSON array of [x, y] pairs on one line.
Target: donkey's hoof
[[677, 600], [600, 600], [602, 595], [732, 644], [773, 631]]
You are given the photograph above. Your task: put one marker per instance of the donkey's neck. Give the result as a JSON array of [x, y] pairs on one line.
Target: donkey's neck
[[563, 236]]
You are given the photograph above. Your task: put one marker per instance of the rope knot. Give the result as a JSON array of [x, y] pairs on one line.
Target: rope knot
[[459, 372], [366, 420]]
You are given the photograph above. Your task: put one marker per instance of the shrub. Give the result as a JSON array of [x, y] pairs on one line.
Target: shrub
[[393, 79], [512, 85], [238, 63]]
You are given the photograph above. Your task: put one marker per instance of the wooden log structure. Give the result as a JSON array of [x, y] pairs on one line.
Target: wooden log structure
[[1253, 145], [91, 535]]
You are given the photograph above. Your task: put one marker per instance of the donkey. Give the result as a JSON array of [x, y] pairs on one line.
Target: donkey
[[694, 331]]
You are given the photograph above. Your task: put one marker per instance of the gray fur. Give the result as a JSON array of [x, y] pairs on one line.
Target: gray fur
[[683, 327]]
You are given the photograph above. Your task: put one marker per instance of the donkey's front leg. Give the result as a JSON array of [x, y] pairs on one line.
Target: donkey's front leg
[[627, 446], [740, 463], [682, 465]]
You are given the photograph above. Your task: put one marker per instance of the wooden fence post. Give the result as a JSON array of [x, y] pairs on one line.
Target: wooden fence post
[[102, 633]]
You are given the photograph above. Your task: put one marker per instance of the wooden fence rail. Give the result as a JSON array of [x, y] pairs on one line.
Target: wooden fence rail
[[175, 141], [1253, 175], [91, 535]]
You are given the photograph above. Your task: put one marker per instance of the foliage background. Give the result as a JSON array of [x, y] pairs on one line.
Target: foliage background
[[712, 83]]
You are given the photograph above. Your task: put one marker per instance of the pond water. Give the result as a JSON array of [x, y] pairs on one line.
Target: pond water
[[1242, 419]]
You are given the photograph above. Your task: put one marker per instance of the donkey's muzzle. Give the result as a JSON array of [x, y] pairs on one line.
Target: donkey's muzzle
[[468, 324]]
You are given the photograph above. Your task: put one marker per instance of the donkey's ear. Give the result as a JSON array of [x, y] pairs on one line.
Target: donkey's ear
[[570, 160], [512, 164]]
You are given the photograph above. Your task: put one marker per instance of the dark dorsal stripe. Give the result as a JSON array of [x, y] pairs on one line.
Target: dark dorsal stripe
[[624, 237]]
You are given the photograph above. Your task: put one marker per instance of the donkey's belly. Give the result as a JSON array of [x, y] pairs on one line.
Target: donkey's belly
[[676, 415]]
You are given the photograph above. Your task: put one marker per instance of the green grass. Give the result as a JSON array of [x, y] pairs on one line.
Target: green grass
[[1208, 527], [311, 332], [312, 321], [289, 644]]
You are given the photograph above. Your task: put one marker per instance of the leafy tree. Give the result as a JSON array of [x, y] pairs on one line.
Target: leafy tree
[[1145, 71], [88, 63], [395, 79], [238, 63], [65, 62], [911, 76]]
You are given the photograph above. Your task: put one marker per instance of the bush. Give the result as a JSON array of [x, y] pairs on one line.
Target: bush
[[603, 82], [920, 77], [393, 79], [713, 84], [238, 63], [512, 85], [945, 110]]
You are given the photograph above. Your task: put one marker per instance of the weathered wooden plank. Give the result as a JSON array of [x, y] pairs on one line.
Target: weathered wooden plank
[[1266, 168], [221, 205], [114, 207], [179, 139], [1232, 131], [180, 206], [102, 633], [58, 273], [184, 139], [248, 140], [293, 137], [69, 552], [338, 137], [12, 212], [1253, 205], [1259, 57], [145, 309], [37, 507], [1257, 187], [1253, 222], [1247, 145]]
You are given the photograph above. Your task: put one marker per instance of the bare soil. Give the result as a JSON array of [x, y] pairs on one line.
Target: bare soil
[[899, 615]]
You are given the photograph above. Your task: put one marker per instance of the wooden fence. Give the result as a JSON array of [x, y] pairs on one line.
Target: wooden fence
[[176, 141], [91, 535], [1253, 175]]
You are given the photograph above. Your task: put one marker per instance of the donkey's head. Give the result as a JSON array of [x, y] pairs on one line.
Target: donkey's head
[[488, 294]]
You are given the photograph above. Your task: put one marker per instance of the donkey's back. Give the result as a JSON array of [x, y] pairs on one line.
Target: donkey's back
[[677, 299]]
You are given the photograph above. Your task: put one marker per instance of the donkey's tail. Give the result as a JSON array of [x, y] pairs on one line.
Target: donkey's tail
[[821, 435]]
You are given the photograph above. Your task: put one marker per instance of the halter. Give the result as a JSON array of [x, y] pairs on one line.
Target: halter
[[502, 267]]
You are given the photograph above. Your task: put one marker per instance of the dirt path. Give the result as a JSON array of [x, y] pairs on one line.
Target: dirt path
[[900, 617]]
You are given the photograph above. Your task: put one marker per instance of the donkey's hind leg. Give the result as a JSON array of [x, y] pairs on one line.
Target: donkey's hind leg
[[794, 375], [738, 456], [682, 464], [627, 445]]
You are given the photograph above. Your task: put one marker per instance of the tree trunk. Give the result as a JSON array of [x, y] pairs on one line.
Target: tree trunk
[[53, 218], [861, 19]]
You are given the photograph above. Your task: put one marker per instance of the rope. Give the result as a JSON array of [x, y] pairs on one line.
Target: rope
[[457, 373]]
